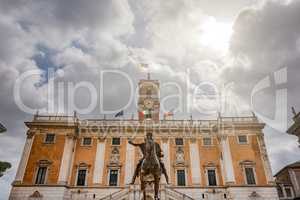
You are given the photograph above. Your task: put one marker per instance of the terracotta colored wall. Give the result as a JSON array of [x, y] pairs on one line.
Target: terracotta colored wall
[[210, 154], [106, 157], [41, 151], [250, 151], [123, 147], [87, 155], [83, 154], [188, 161]]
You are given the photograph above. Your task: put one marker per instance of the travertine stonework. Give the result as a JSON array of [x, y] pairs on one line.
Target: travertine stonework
[[66, 155]]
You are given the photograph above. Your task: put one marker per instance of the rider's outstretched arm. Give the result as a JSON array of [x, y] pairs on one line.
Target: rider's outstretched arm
[[132, 143]]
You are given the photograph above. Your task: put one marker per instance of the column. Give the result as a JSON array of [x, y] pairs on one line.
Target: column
[[65, 166], [99, 162], [227, 161], [129, 163], [166, 152], [195, 162], [24, 158]]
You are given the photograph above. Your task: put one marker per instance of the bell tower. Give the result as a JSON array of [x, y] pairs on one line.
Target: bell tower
[[148, 101]]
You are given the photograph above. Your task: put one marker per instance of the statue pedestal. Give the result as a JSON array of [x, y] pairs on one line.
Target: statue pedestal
[[149, 193]]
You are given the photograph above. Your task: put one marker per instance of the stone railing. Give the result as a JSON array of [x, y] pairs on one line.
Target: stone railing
[[150, 123], [161, 123], [54, 118], [239, 119]]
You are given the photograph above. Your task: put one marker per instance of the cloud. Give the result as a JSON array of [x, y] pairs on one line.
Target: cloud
[[79, 40], [79, 33], [265, 39]]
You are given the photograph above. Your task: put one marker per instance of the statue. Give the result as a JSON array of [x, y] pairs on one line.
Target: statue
[[150, 167]]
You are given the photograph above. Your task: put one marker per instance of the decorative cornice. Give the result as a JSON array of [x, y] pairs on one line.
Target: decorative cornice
[[101, 139], [30, 134]]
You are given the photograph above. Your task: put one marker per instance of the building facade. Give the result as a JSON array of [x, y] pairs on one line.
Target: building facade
[[70, 158], [288, 182]]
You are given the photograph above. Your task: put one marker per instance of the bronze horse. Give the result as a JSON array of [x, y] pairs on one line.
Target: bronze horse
[[150, 171]]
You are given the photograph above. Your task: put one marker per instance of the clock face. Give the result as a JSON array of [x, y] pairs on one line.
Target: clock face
[[148, 103]]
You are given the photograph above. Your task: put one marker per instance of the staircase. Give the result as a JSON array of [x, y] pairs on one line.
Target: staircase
[[173, 194], [133, 192], [119, 195]]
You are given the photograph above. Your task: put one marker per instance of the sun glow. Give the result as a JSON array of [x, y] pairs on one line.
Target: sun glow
[[216, 34]]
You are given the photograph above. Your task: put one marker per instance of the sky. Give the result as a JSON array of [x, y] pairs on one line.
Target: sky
[[244, 52]]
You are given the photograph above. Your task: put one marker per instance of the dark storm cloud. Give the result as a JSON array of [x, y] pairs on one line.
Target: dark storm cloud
[[265, 40]]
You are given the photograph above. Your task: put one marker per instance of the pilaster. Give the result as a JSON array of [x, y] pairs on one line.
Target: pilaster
[[228, 170], [99, 162], [24, 158], [66, 161], [195, 162]]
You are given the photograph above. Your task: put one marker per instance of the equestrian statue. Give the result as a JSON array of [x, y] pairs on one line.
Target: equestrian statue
[[150, 167]]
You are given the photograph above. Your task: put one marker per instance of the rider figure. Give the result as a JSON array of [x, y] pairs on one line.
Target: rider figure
[[159, 154]]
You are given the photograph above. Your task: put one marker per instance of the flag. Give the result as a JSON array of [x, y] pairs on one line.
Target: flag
[[141, 115], [145, 114], [168, 114], [119, 114], [2, 128]]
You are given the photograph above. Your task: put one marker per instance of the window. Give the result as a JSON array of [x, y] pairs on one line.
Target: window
[[288, 192], [49, 138], [113, 178], [116, 141], [81, 176], [279, 191], [211, 176], [242, 139], [41, 175], [179, 141], [207, 141], [87, 141], [250, 177], [181, 177]]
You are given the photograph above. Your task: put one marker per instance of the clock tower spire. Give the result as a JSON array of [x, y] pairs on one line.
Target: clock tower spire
[[148, 101]]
